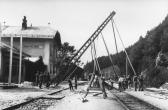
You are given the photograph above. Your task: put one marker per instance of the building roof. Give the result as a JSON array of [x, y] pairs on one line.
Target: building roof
[[30, 32]]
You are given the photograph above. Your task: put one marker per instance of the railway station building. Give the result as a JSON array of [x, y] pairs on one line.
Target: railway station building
[[36, 41], [5, 57]]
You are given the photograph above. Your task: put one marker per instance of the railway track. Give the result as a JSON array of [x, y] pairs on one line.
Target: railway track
[[42, 102], [130, 102]]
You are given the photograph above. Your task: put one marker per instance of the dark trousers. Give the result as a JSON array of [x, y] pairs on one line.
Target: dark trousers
[[135, 85], [141, 87], [70, 87], [40, 84]]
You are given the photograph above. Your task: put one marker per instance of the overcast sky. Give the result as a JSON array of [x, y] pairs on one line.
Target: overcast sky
[[76, 20]]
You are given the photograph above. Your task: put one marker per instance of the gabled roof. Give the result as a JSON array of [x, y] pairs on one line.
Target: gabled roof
[[30, 32]]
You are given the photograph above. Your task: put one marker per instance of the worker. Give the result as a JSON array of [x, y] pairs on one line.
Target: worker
[[41, 79], [48, 80], [120, 83], [103, 87], [76, 84], [135, 80], [70, 85], [37, 78], [141, 81], [129, 81], [111, 81]]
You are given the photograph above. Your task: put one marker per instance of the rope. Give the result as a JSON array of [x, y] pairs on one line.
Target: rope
[[124, 49], [109, 54]]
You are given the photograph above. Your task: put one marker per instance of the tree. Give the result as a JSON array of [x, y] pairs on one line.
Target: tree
[[65, 53], [143, 55]]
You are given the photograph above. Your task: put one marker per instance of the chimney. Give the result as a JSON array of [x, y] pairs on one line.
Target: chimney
[[24, 23]]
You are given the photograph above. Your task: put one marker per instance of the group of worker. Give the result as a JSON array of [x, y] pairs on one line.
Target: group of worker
[[136, 81], [43, 78]]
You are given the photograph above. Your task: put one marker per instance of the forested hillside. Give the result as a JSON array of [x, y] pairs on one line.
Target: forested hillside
[[143, 56]]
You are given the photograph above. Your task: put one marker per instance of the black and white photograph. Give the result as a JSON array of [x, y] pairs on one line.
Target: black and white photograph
[[83, 54]]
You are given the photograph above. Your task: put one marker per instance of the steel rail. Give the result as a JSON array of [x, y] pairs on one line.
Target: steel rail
[[16, 106]]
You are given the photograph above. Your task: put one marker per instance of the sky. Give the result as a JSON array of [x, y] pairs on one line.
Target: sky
[[76, 20]]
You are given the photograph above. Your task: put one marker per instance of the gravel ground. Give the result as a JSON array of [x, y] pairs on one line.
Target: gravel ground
[[41, 104], [9, 97]]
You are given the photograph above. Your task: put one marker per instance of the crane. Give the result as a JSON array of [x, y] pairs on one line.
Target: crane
[[85, 46]]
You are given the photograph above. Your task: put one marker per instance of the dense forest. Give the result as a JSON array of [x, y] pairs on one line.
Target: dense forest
[[143, 56]]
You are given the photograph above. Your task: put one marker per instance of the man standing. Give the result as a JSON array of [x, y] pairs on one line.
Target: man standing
[[103, 87], [48, 80], [40, 79], [140, 81], [76, 84], [37, 78], [135, 79], [120, 83], [70, 84], [129, 81]]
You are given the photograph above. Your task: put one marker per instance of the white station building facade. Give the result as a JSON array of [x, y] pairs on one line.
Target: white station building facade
[[36, 41]]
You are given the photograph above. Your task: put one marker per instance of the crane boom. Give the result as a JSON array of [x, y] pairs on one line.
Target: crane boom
[[85, 46]]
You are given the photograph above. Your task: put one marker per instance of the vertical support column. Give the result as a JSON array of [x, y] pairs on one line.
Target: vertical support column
[[126, 68], [0, 51], [20, 59], [11, 58]]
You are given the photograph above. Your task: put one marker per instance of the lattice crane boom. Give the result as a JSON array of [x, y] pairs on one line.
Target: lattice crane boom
[[85, 46]]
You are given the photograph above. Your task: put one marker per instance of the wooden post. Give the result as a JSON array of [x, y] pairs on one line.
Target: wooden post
[[126, 67], [0, 51], [20, 59], [11, 58]]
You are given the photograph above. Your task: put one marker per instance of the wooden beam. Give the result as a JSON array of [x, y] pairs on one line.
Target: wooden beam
[[20, 59], [0, 52], [10, 63], [126, 68]]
